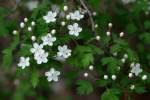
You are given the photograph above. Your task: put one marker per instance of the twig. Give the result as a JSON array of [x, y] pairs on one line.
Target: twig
[[90, 15]]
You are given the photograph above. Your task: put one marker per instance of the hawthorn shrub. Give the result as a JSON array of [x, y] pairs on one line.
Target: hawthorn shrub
[[84, 46]]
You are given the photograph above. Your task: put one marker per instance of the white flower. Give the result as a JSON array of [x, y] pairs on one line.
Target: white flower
[[22, 25], [74, 29], [76, 15], [144, 77], [105, 77], [52, 75], [33, 23], [86, 74], [63, 51], [50, 17], [91, 67], [132, 86], [113, 77], [25, 19], [136, 69], [59, 58], [48, 39], [36, 48], [41, 57], [33, 38], [65, 8], [24, 62], [15, 32]]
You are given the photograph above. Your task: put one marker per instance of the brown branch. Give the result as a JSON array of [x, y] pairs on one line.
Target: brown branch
[[90, 15]]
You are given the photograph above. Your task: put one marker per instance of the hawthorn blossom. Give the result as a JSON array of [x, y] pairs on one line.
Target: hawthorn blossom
[[74, 29], [48, 39], [76, 15], [59, 58], [50, 17], [24, 62], [41, 57], [36, 48], [136, 69], [52, 75], [63, 51]]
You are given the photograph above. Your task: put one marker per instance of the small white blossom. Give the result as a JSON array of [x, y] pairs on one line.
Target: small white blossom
[[91, 67], [125, 56], [33, 23], [121, 34], [29, 29], [33, 38], [110, 25], [63, 23], [96, 25], [68, 17], [41, 57], [94, 13], [130, 75], [36, 48], [144, 77], [15, 32], [74, 29], [53, 31], [115, 54], [25, 19], [50, 17], [22, 25], [136, 69], [63, 51], [48, 39], [52, 75], [24, 62], [59, 58], [76, 15], [132, 87], [105, 77], [65, 8], [108, 33], [97, 37], [113, 77], [123, 60], [86, 74]]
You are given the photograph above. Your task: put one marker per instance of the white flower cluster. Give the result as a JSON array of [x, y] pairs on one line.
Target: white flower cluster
[[39, 53]]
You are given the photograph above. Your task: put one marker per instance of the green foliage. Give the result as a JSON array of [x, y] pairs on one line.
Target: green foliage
[[87, 50], [84, 55], [84, 87], [112, 64], [110, 94]]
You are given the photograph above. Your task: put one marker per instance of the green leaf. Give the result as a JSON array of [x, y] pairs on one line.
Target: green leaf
[[7, 57], [145, 37], [94, 3], [87, 59], [34, 78], [140, 89], [112, 64], [84, 87], [102, 82], [147, 24], [109, 95], [131, 28]]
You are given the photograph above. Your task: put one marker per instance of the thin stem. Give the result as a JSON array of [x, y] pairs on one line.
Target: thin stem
[[90, 15]]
